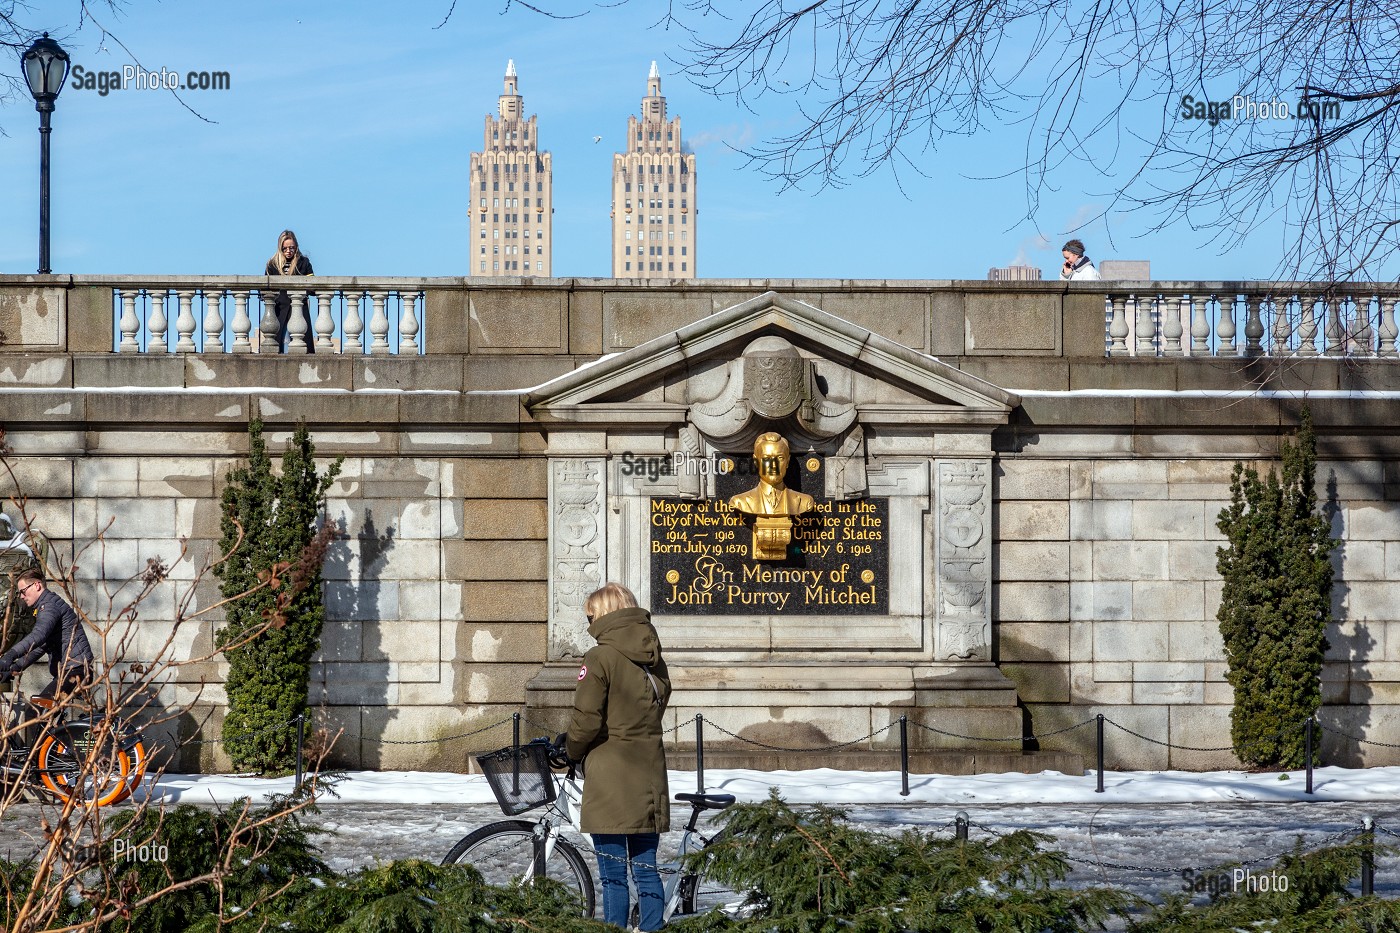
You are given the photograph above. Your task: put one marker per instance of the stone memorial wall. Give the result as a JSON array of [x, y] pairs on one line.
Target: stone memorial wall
[[1013, 534]]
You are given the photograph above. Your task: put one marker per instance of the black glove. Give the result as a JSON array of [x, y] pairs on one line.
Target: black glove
[[559, 751]]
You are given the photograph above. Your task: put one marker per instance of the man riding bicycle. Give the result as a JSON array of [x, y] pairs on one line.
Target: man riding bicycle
[[58, 632]]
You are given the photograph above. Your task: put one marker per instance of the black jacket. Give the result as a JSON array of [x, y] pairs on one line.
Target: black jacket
[[56, 625]]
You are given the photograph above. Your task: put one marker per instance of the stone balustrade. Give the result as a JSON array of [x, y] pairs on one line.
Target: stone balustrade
[[1271, 319], [212, 317], [570, 319]]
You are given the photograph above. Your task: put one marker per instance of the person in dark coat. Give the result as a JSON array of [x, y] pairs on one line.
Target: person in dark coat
[[288, 260], [623, 688], [58, 632]]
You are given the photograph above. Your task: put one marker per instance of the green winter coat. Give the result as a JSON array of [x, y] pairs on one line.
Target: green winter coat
[[617, 724]]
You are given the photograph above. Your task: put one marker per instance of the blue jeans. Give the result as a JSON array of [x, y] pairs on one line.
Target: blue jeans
[[615, 853]]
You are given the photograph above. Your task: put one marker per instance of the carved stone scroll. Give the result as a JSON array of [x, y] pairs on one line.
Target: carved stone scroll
[[964, 621], [577, 550]]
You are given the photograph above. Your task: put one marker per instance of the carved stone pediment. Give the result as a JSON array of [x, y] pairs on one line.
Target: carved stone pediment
[[770, 363]]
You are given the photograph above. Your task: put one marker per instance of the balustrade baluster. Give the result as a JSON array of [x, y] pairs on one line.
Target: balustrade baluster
[[1226, 327], [158, 323], [242, 324], [1282, 331], [408, 323], [1333, 333], [1146, 329], [1118, 328], [268, 328], [354, 324], [1307, 326], [1388, 328], [296, 324], [1253, 326], [185, 324], [1200, 327], [379, 325], [131, 324], [214, 320], [1171, 327], [1363, 336], [325, 322]]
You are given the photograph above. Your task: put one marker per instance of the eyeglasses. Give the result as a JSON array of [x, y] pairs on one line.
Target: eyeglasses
[[26, 588]]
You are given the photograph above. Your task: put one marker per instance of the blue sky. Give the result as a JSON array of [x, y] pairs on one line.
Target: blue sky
[[353, 125]]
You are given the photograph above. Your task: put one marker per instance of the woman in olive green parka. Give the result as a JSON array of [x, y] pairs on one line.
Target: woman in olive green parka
[[622, 692]]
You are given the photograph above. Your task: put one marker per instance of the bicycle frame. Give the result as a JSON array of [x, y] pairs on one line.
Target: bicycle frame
[[567, 805]]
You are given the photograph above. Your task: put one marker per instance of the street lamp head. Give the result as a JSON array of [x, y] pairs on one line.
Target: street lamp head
[[45, 67]]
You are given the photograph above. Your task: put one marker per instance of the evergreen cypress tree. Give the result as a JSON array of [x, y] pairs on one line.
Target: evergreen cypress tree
[[1276, 602], [269, 669]]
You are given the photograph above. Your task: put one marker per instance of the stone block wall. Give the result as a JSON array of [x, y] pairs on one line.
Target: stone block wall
[[1108, 593]]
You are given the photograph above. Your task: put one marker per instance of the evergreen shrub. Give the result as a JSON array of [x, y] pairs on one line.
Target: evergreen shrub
[[1276, 603], [271, 536]]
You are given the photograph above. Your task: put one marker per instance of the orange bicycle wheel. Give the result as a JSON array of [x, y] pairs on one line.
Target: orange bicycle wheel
[[137, 755], [72, 765]]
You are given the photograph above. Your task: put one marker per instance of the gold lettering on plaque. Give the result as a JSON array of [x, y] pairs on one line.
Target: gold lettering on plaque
[[771, 503]]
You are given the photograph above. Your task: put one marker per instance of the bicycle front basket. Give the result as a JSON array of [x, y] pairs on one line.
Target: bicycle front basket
[[519, 777]]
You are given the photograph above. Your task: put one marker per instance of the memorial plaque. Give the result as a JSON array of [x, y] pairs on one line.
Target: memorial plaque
[[701, 562]]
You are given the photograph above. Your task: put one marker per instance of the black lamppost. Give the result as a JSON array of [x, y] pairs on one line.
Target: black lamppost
[[45, 67]]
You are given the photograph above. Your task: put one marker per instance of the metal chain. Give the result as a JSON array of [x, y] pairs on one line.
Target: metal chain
[[749, 741], [1357, 738], [235, 738], [1158, 869], [446, 738], [971, 738], [1046, 735], [1199, 748], [360, 738]]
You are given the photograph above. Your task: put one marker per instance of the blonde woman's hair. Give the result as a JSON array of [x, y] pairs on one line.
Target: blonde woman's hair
[[277, 260], [612, 597]]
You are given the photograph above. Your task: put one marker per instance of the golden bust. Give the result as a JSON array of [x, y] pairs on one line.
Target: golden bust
[[771, 496]]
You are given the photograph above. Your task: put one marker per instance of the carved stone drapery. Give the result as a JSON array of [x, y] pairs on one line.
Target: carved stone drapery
[[577, 549], [964, 619], [770, 384]]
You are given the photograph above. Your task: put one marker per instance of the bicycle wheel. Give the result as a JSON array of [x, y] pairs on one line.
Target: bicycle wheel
[[72, 763], [504, 853], [138, 759], [691, 898]]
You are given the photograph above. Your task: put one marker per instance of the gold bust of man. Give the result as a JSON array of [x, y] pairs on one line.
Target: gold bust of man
[[771, 496]]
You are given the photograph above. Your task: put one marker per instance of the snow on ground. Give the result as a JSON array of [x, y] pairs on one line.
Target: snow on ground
[[847, 787]]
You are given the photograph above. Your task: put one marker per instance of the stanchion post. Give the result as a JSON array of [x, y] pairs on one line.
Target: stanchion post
[[301, 743], [1308, 751], [1098, 724], [960, 826], [1368, 857], [904, 756], [699, 753], [515, 753]]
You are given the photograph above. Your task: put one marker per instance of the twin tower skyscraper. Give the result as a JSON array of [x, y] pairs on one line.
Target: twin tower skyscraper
[[653, 195]]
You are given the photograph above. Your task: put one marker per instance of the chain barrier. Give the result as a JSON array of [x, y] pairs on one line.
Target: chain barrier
[[1037, 736], [780, 748], [1201, 748], [445, 738], [290, 723], [1356, 738], [1339, 836]]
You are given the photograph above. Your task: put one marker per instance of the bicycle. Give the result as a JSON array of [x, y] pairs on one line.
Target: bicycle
[[97, 758], [520, 851]]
